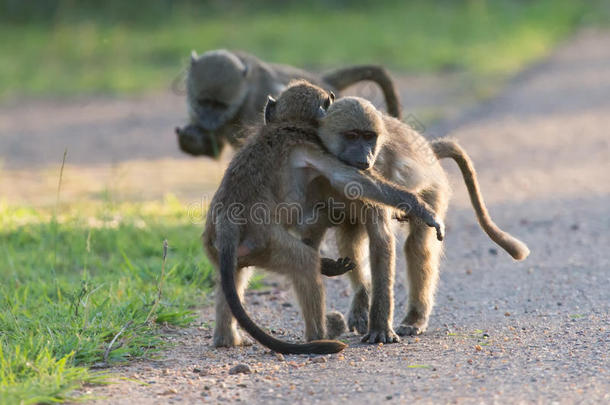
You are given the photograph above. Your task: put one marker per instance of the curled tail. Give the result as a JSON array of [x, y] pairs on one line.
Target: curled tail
[[228, 264], [345, 77], [450, 149]]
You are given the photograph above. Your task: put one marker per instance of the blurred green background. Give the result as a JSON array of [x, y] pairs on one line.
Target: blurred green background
[[65, 47]]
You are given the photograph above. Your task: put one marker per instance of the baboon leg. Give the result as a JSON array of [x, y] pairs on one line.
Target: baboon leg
[[302, 264], [313, 234], [382, 257], [422, 252], [226, 333], [351, 240]]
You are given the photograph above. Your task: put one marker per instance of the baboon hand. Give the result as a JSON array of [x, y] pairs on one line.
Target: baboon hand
[[331, 268], [439, 225], [429, 220], [436, 223], [384, 335], [401, 217]]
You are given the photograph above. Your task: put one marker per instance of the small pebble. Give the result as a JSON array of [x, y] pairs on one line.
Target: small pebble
[[170, 391], [240, 369], [319, 360], [493, 251], [279, 356], [478, 348]]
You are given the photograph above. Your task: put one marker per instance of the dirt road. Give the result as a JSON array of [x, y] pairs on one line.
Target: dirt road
[[501, 332]]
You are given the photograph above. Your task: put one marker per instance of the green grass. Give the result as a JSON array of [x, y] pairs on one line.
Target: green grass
[[72, 282], [118, 47]]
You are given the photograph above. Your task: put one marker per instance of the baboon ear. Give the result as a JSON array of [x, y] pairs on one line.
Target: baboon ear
[[332, 96], [269, 109], [193, 56]]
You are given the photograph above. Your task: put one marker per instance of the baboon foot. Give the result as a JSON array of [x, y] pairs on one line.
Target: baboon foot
[[233, 339], [409, 330], [381, 335], [358, 317], [335, 324], [414, 324]]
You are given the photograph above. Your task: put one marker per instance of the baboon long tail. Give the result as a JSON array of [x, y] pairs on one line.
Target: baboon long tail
[[345, 77], [446, 148], [228, 264]]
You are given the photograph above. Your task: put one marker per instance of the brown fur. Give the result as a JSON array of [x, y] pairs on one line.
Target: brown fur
[[226, 92], [274, 167]]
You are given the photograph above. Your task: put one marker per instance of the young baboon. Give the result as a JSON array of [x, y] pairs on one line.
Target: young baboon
[[248, 223], [226, 91], [406, 158]]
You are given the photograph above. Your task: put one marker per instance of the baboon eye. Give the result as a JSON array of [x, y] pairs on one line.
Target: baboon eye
[[350, 135], [369, 135]]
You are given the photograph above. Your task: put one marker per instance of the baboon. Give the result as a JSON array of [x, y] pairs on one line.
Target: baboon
[[406, 158], [270, 172], [226, 92]]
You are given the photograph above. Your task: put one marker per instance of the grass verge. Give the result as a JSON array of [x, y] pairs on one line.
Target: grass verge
[[91, 47], [81, 289]]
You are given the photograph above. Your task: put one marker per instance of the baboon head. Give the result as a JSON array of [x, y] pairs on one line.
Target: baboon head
[[301, 102], [353, 130], [195, 141], [217, 87]]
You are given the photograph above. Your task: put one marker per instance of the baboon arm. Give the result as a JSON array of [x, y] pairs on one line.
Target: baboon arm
[[356, 184], [345, 77]]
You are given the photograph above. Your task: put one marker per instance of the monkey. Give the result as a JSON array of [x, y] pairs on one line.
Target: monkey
[[226, 92], [271, 170], [407, 159], [354, 132]]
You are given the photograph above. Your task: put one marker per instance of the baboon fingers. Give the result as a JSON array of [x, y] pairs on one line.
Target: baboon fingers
[[408, 330], [331, 267], [383, 336], [440, 229], [401, 217], [434, 222]]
